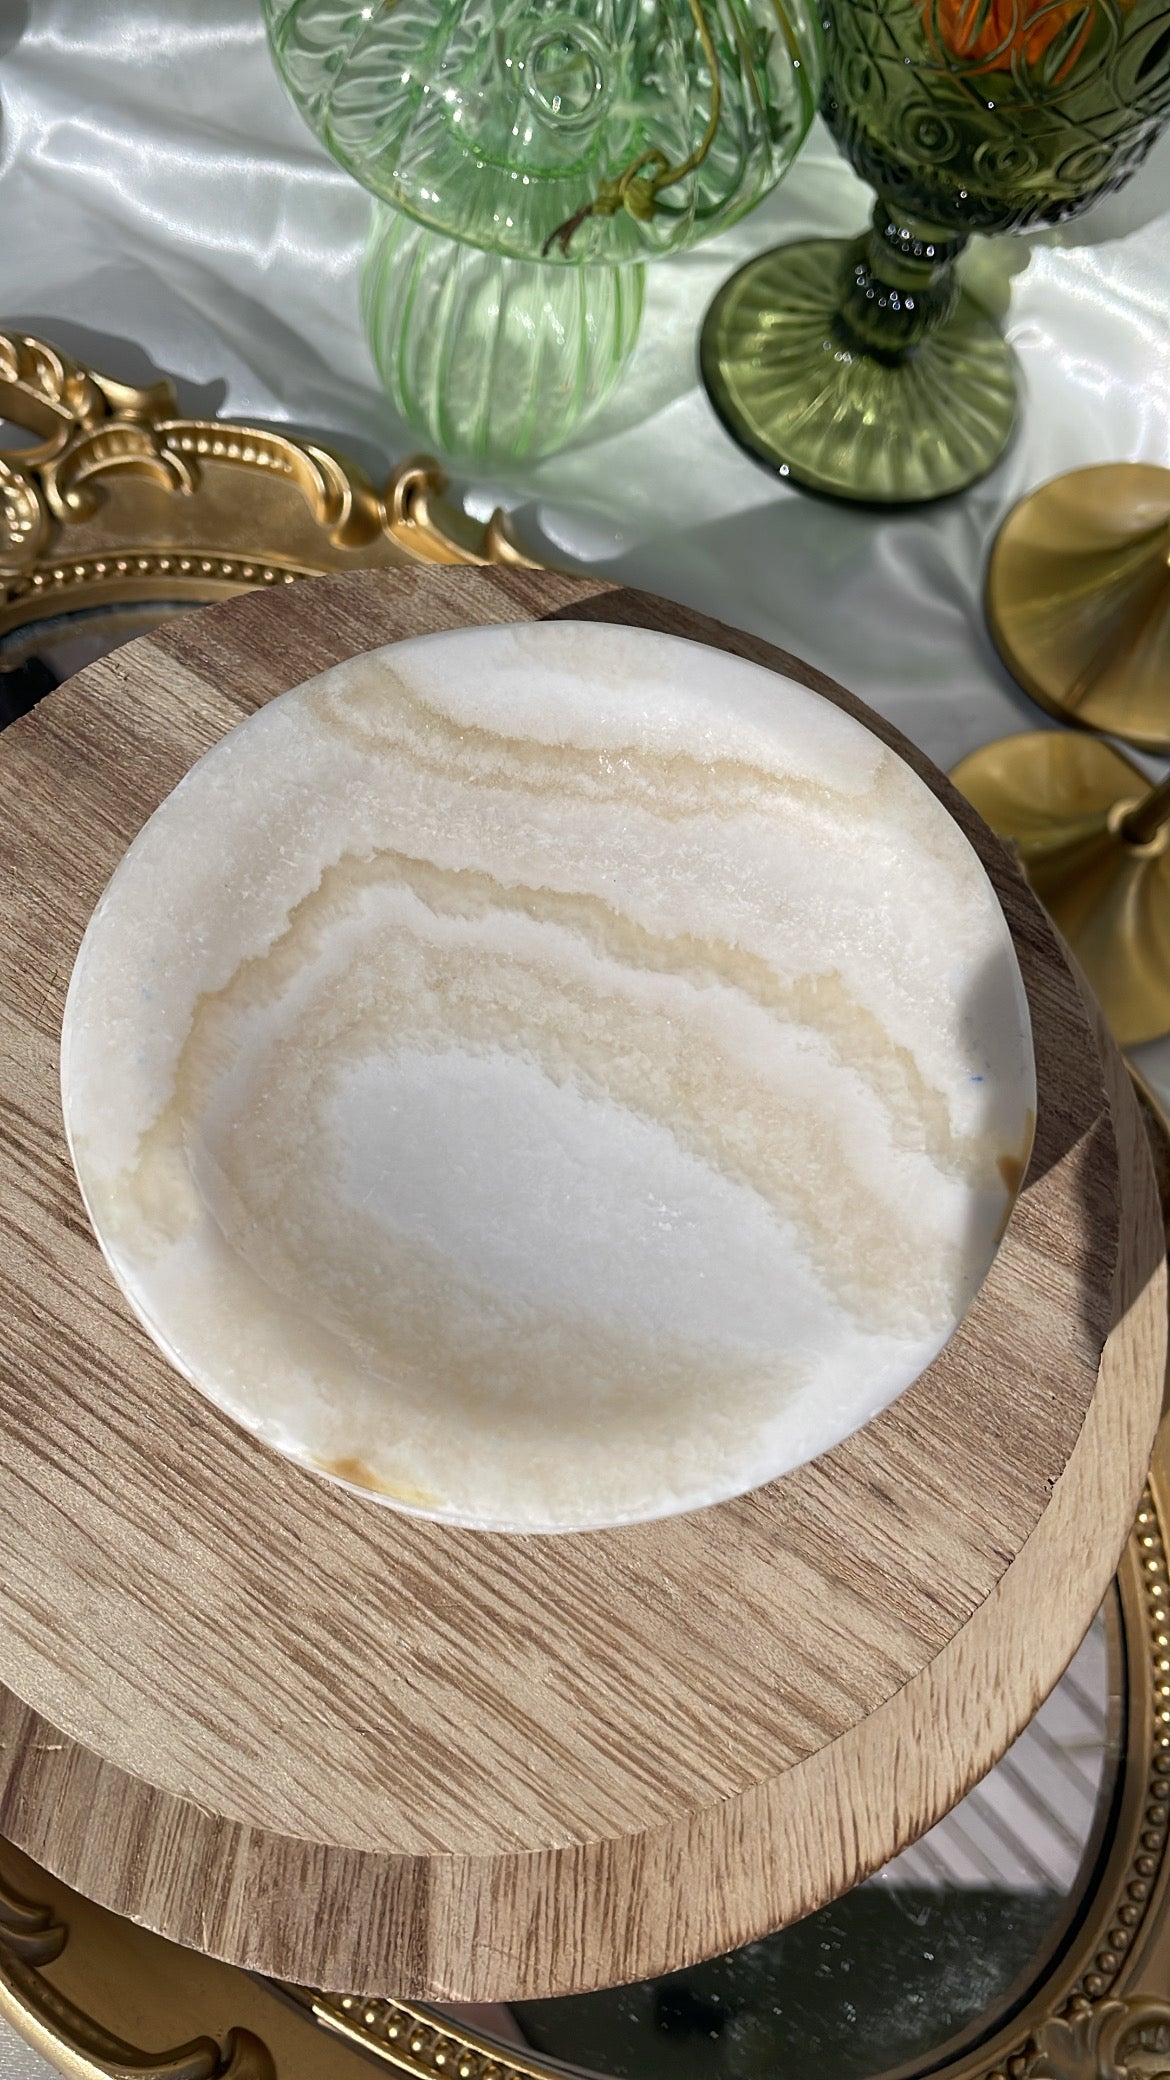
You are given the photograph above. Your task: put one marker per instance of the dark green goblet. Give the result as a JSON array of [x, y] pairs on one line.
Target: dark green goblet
[[863, 369]]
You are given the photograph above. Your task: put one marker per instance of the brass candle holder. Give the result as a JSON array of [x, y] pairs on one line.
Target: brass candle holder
[[1094, 839], [1078, 600]]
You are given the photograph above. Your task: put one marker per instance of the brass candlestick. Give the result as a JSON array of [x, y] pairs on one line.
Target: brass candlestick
[[1078, 600], [1094, 839]]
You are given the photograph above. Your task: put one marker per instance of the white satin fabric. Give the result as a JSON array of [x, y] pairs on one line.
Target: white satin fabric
[[162, 207], [159, 197]]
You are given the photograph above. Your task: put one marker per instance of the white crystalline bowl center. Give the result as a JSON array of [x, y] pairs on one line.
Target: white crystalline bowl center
[[549, 1076]]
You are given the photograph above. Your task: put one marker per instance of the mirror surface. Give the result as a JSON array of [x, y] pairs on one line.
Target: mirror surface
[[931, 1952]]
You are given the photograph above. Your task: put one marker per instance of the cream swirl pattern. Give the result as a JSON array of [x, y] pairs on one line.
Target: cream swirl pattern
[[549, 1076]]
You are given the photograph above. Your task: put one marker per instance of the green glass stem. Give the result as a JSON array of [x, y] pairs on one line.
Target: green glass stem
[[899, 285]]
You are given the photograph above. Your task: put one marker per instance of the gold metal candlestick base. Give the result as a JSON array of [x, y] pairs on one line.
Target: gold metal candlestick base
[[1078, 600], [1095, 842]]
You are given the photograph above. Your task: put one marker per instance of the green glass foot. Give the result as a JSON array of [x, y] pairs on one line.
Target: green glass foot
[[889, 429]]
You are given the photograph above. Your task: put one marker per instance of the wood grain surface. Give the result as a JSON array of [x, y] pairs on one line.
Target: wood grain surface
[[356, 1749]]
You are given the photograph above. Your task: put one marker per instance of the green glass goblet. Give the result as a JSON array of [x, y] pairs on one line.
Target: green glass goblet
[[863, 369], [566, 137]]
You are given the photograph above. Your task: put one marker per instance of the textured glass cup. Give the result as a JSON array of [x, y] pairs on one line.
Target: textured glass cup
[[862, 369], [493, 359], [570, 130]]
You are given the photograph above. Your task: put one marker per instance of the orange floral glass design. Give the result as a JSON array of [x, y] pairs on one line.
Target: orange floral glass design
[[1001, 35], [867, 371]]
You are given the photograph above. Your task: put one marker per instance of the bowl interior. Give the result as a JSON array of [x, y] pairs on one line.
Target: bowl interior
[[549, 1076]]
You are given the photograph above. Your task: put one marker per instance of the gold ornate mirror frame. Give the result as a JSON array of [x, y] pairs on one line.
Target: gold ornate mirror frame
[[117, 510], [117, 500]]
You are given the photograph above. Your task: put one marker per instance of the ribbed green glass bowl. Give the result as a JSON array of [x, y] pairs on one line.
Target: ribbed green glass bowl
[[493, 360], [571, 130]]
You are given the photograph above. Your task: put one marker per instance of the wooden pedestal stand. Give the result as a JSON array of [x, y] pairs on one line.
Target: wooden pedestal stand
[[353, 1749]]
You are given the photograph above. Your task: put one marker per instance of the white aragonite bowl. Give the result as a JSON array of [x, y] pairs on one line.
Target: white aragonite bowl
[[549, 1076]]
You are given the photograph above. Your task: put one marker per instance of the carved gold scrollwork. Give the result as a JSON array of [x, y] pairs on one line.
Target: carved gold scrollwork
[[30, 1937], [48, 394], [28, 1931], [24, 522], [1115, 2041], [80, 513], [71, 480], [339, 495]]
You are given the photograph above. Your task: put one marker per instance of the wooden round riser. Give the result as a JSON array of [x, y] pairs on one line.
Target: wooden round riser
[[364, 1751]]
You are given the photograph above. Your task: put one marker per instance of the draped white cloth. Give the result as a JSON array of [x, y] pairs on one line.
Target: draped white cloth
[[160, 197], [162, 207]]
